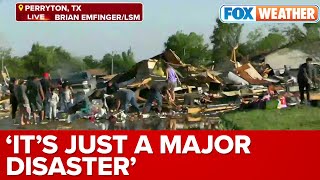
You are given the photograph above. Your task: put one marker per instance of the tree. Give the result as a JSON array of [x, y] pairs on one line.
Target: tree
[[40, 59], [14, 65], [121, 62], [258, 43], [294, 33], [313, 31], [224, 38], [191, 48], [251, 45], [90, 62], [271, 42], [50, 59]]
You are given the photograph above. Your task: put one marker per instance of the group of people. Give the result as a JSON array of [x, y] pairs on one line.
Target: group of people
[[158, 91], [38, 98]]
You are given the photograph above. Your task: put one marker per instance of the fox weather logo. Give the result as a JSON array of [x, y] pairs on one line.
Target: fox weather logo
[[269, 13], [237, 13]]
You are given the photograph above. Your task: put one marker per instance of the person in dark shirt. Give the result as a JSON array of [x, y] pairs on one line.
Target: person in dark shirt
[[36, 97], [46, 83], [111, 88], [157, 92], [46, 87], [268, 72], [13, 99], [306, 77], [23, 101]]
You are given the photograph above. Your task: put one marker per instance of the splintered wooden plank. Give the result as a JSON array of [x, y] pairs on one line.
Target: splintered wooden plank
[[194, 119], [315, 96], [219, 108], [4, 101], [194, 110]]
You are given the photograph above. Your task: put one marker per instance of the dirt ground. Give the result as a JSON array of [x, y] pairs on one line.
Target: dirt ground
[[6, 123]]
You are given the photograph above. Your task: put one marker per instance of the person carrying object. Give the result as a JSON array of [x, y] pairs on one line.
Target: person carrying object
[[268, 71]]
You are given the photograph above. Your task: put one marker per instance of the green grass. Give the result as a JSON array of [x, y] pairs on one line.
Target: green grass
[[296, 118]]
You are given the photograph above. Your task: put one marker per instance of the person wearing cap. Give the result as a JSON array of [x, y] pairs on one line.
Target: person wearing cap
[[46, 87], [306, 78]]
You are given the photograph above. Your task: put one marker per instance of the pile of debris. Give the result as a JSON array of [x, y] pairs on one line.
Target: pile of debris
[[201, 99]]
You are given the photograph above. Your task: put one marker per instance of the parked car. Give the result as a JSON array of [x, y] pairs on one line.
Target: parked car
[[82, 81], [56, 82]]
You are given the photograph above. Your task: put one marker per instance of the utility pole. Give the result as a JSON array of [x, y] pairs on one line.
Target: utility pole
[[112, 63]]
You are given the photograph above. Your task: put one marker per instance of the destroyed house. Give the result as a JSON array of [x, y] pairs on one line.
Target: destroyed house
[[291, 56], [152, 70]]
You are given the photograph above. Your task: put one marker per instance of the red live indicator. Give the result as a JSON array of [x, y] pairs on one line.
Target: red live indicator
[[121, 12]]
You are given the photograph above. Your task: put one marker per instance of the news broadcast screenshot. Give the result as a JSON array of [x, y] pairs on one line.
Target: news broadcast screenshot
[[207, 89]]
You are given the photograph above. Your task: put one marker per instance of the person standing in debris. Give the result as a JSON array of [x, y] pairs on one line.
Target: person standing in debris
[[13, 98], [172, 79], [46, 86], [53, 101], [24, 105], [66, 97], [306, 77], [36, 97], [157, 92]]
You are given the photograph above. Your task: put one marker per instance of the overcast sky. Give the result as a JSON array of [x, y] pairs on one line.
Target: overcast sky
[[161, 19]]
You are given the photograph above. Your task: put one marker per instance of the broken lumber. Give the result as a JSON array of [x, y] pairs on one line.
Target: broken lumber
[[315, 96], [193, 119], [194, 110], [219, 108]]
